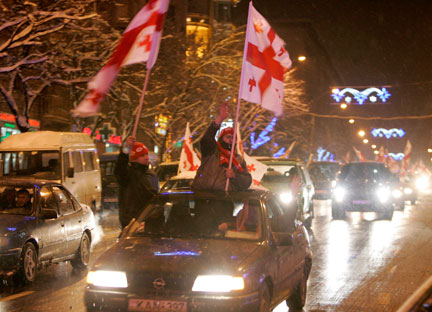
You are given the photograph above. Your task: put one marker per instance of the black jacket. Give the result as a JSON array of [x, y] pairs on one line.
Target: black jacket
[[211, 175], [137, 185]]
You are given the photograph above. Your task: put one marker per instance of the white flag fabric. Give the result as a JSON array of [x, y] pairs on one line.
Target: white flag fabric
[[189, 160], [264, 63], [139, 43], [256, 168], [381, 156]]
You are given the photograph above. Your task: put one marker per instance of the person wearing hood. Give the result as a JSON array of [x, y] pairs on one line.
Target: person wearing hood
[[137, 183], [215, 156]]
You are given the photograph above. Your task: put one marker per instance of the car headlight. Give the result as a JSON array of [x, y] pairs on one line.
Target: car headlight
[[422, 183], [383, 194], [218, 283], [114, 279], [339, 193], [286, 197], [408, 191], [397, 193]]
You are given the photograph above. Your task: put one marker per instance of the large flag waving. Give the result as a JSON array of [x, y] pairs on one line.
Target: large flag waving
[[256, 168], [264, 62], [139, 43], [189, 160]]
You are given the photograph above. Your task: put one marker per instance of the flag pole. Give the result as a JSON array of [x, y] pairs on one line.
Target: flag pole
[[141, 102], [239, 97]]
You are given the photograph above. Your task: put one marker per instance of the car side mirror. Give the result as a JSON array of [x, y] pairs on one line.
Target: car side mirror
[[70, 172], [283, 238], [48, 214]]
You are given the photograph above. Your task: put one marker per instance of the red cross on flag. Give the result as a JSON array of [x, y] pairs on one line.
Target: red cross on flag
[[256, 168], [265, 61], [139, 43], [189, 160]]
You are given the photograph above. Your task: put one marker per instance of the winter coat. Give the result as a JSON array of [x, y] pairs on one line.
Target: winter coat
[[137, 185], [211, 175]]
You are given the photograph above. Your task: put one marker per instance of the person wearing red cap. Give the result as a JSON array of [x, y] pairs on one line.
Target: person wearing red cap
[[138, 184], [213, 172]]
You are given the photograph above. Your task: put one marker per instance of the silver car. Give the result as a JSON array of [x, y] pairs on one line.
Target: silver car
[[41, 223]]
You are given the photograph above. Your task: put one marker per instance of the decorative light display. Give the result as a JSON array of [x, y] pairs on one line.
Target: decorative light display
[[371, 94], [387, 133], [324, 155], [398, 156], [263, 136], [279, 153]]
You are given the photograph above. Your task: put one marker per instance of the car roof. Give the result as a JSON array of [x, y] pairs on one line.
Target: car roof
[[281, 161]]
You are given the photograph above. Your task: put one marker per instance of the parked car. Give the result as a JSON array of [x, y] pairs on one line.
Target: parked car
[[69, 158], [363, 186], [277, 179], [205, 251], [51, 227], [323, 173]]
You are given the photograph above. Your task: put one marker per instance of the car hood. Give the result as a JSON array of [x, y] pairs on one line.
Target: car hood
[[12, 223], [199, 256]]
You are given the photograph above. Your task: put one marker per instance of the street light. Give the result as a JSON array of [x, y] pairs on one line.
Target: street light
[[376, 152], [351, 121], [301, 58], [361, 133], [429, 150], [343, 105], [373, 146], [365, 141]]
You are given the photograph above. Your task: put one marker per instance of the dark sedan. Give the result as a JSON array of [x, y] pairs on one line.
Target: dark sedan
[[190, 251], [40, 224]]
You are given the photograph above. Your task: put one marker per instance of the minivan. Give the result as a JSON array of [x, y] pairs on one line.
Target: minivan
[[68, 158]]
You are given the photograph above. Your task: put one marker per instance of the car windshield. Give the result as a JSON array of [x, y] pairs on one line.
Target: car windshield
[[198, 217], [16, 200], [177, 184], [35, 164], [164, 172], [363, 171]]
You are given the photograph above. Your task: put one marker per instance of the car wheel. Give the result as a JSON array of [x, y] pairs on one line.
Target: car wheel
[[338, 213], [264, 305], [82, 257], [28, 263], [297, 300]]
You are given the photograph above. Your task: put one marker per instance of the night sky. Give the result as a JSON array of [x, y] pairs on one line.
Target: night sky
[[364, 43]]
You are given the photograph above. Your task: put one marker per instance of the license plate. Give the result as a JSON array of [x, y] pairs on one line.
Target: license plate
[[361, 202], [157, 305]]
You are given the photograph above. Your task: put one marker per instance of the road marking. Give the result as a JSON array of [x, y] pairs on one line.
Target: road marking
[[24, 293]]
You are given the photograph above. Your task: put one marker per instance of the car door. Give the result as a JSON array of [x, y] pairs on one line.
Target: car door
[[71, 218], [285, 255], [52, 231]]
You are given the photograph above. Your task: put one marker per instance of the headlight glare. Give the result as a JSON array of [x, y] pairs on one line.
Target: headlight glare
[[286, 197], [339, 193], [217, 283], [408, 191], [397, 193], [383, 194], [113, 279]]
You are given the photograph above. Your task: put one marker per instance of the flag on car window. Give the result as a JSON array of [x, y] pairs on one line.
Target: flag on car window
[[256, 168], [189, 160], [139, 43], [265, 61], [359, 154]]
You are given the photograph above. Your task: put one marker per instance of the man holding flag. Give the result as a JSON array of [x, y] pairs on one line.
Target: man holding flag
[[214, 171]]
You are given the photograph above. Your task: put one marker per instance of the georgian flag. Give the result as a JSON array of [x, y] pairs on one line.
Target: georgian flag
[[407, 158], [381, 155], [265, 61], [359, 154], [256, 168], [391, 163], [189, 160], [139, 43]]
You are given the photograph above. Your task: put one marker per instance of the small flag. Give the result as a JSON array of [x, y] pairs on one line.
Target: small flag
[[189, 160], [359, 154]]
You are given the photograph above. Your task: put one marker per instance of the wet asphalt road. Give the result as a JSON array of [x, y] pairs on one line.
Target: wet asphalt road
[[360, 264]]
